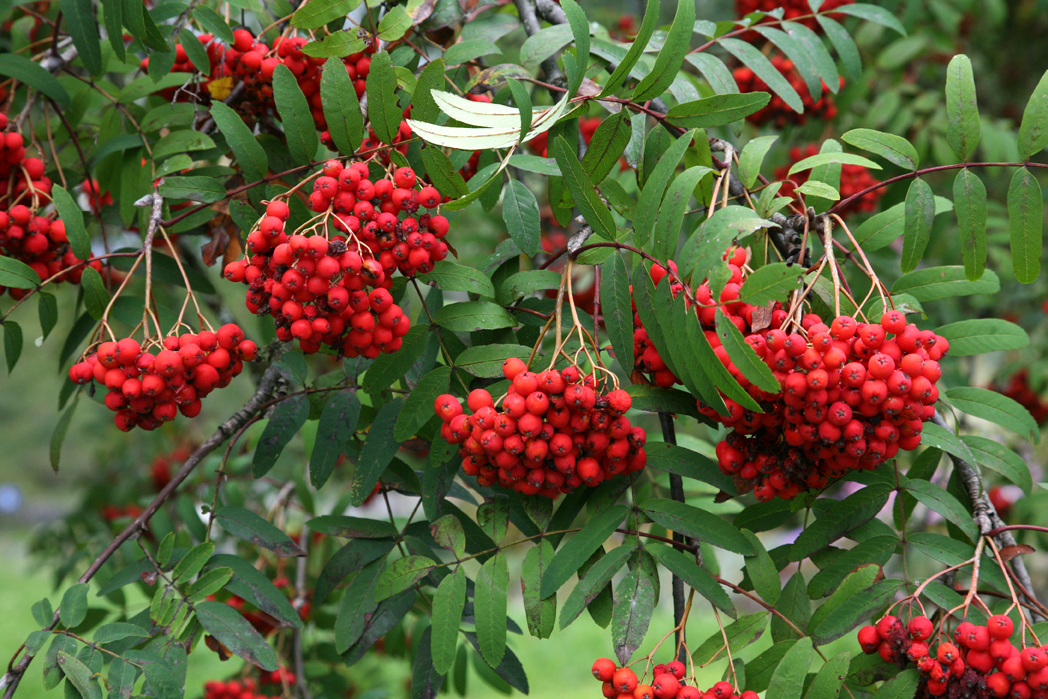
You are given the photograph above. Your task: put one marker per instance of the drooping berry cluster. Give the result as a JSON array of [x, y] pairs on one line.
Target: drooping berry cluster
[[147, 389], [851, 394], [792, 9], [981, 662], [854, 179], [316, 286], [668, 682], [552, 434], [38, 241], [777, 111]]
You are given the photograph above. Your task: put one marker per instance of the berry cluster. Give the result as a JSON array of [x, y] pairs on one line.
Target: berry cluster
[[851, 394], [792, 9], [112, 512], [981, 662], [160, 469], [147, 389], [553, 433], [587, 127], [247, 688], [777, 111], [668, 682], [854, 179], [1019, 390], [38, 241], [315, 286]]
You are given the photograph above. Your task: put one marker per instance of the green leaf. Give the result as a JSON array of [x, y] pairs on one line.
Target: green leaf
[[25, 71], [847, 611], [17, 274], [378, 450], [521, 99], [845, 45], [235, 633], [580, 31], [651, 196], [634, 604], [448, 533], [284, 423], [704, 248], [388, 368], [828, 158], [995, 407], [453, 277], [113, 16], [997, 457], [543, 44], [622, 70], [920, 211], [744, 356], [814, 188], [250, 527], [418, 405], [740, 634], [686, 463], [939, 500], [962, 110], [770, 282], [73, 218], [442, 172], [520, 211], [341, 107], [119, 631], [358, 603], [752, 158], [829, 680], [937, 283], [383, 109], [669, 60], [402, 575], [1033, 131], [12, 343], [901, 686], [96, 298], [193, 561], [718, 110], [969, 196], [787, 682], [448, 602], [541, 613], [894, 149], [73, 609], [579, 548], [794, 605], [694, 576], [80, 676], [468, 50], [335, 45], [395, 24], [203, 189], [61, 428], [490, 608], [470, 316], [756, 61], [762, 571], [606, 146], [803, 57], [337, 423], [1025, 220], [616, 307], [299, 129], [874, 550], [183, 141], [596, 213], [486, 361], [248, 151], [213, 23], [872, 13], [522, 284], [592, 583], [844, 516], [208, 584], [352, 527], [317, 13], [697, 524], [671, 213], [968, 337]]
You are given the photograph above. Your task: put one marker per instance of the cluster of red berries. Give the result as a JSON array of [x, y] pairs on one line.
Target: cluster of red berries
[[792, 9], [851, 394], [981, 662], [668, 682], [112, 512], [253, 63], [147, 389], [160, 469], [1018, 389], [854, 179], [38, 241], [553, 433], [777, 111], [315, 286]]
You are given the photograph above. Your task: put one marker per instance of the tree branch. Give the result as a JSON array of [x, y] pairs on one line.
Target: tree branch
[[265, 388], [985, 514]]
